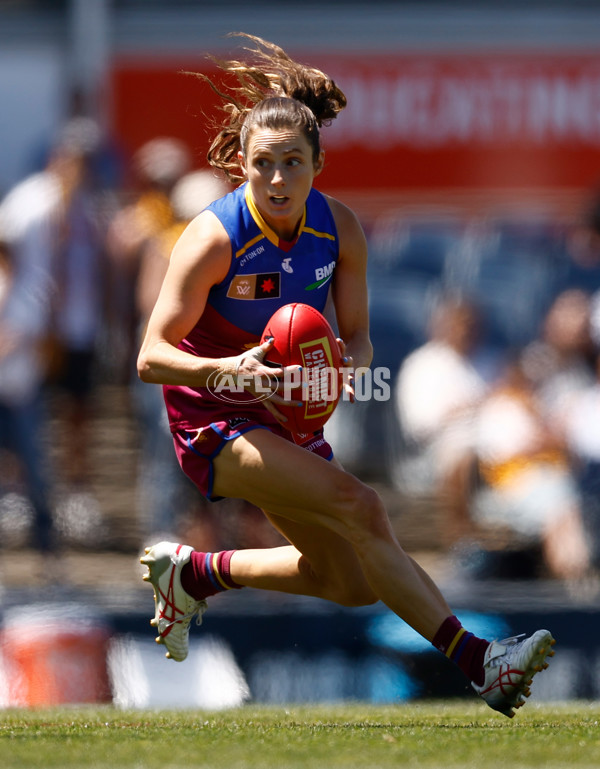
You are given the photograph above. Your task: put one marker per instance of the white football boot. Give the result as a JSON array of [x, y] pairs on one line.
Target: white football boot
[[174, 608], [510, 666]]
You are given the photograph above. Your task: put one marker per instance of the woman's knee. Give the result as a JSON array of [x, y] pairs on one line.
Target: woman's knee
[[362, 511]]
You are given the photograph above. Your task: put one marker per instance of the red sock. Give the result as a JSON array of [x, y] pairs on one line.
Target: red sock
[[206, 574], [462, 647]]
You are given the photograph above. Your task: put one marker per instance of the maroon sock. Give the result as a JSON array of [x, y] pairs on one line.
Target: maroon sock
[[462, 647], [206, 574]]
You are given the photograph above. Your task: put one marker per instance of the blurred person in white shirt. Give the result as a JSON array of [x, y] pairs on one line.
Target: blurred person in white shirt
[[529, 487], [438, 391]]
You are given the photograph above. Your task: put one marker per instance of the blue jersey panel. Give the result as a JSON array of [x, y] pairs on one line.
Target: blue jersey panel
[[266, 272]]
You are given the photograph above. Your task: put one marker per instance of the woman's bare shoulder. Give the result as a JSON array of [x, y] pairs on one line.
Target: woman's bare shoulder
[[350, 231], [341, 211], [204, 248]]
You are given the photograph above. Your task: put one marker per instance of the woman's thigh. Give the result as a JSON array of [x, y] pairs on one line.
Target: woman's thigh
[[288, 481]]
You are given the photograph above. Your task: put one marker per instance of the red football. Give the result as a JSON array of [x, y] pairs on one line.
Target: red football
[[303, 337]]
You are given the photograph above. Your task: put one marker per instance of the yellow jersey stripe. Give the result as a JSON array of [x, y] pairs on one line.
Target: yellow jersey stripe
[[248, 245], [318, 234]]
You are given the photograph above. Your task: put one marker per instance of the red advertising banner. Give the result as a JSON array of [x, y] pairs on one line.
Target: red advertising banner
[[413, 122]]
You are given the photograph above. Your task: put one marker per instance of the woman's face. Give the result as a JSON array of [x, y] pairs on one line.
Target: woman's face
[[280, 170]]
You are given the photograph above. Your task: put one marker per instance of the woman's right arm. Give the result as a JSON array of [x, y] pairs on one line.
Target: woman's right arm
[[200, 259]]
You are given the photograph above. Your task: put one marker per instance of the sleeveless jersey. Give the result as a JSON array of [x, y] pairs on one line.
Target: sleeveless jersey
[[265, 273]]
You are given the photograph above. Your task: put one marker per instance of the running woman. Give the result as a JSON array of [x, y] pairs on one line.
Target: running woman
[[243, 257]]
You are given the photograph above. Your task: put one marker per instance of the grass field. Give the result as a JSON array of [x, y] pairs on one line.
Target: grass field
[[365, 736]]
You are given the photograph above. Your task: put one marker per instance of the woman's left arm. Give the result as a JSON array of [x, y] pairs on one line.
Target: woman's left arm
[[349, 290]]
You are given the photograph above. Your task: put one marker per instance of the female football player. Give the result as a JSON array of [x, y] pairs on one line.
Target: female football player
[[242, 258]]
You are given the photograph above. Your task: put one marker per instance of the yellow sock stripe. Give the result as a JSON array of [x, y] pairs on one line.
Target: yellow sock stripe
[[215, 571], [457, 638]]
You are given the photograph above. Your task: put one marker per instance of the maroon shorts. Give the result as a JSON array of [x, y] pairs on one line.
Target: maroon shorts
[[197, 449]]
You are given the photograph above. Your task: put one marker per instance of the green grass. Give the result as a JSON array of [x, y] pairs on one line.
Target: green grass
[[366, 736]]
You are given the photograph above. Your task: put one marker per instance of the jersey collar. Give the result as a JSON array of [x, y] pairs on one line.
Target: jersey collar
[[284, 245]]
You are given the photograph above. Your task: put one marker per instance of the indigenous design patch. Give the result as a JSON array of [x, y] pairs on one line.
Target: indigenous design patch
[[263, 285]]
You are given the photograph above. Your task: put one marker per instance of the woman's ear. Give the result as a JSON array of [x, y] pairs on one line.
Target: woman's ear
[[320, 162], [240, 157]]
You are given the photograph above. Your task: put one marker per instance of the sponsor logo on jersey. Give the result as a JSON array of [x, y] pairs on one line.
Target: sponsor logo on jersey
[[263, 285], [323, 275], [287, 264], [251, 254]]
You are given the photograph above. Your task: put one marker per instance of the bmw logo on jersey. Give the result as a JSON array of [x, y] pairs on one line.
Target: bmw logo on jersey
[[322, 276]]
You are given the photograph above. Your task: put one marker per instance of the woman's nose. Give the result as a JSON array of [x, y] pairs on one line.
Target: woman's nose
[[277, 177]]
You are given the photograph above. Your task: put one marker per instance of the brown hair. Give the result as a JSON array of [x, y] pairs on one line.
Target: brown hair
[[274, 92]]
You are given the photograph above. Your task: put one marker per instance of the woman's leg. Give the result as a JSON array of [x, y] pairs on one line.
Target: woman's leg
[[311, 494], [344, 549]]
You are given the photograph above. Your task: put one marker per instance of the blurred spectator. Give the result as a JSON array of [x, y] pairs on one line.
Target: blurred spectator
[[190, 195], [561, 361], [582, 267], [438, 391], [582, 426], [562, 367], [582, 434], [26, 293], [145, 213], [529, 489], [79, 268], [106, 160]]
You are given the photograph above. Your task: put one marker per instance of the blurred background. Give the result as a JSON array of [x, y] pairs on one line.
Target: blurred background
[[470, 150]]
